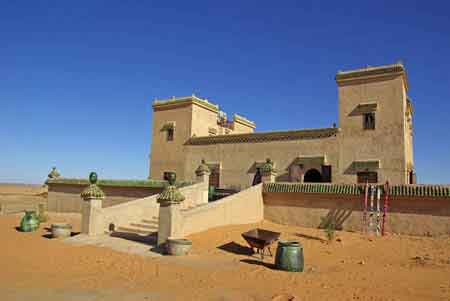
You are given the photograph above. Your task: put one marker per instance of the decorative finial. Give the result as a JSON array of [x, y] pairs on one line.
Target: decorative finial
[[202, 168], [267, 167], [53, 173], [93, 178], [170, 194], [92, 191]]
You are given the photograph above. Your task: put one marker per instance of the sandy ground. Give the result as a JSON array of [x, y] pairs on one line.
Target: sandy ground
[[220, 268]]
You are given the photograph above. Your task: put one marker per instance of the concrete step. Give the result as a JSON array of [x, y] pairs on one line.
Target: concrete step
[[135, 230], [145, 226], [154, 221]]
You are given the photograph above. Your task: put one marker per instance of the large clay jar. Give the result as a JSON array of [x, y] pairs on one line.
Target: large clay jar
[[289, 256], [29, 222], [61, 230], [178, 247]]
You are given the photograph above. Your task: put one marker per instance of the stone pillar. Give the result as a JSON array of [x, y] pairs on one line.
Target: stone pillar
[[203, 173], [170, 218], [91, 218], [268, 173]]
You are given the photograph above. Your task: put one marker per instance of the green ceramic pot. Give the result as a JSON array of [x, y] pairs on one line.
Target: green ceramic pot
[[29, 222], [289, 256]]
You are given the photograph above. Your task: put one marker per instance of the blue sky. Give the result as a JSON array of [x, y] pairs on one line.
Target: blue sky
[[77, 78]]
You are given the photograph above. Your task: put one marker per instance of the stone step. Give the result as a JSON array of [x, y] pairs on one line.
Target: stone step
[[145, 226], [148, 221], [130, 229]]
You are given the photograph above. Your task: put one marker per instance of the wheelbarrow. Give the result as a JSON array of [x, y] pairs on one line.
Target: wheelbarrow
[[260, 240]]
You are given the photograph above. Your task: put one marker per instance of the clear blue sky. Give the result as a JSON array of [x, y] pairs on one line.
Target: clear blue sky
[[77, 78]]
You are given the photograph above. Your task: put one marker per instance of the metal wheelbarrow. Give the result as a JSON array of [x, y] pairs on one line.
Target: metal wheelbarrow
[[260, 240]]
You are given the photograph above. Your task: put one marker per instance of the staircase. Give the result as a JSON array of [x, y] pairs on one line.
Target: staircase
[[144, 227]]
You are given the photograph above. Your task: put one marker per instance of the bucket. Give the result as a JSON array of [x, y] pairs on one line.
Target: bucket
[[289, 256]]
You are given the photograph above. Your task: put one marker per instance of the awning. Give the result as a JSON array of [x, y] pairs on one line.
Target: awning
[[364, 108], [313, 160], [168, 126], [254, 166], [370, 165]]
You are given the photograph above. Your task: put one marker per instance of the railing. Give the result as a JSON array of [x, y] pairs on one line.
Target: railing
[[396, 190]]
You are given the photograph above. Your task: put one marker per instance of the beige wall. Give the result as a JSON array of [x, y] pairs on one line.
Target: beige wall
[[406, 215], [168, 155], [386, 143], [244, 207], [66, 197], [236, 159]]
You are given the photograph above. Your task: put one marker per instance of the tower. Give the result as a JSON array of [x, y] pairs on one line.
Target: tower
[[375, 120]]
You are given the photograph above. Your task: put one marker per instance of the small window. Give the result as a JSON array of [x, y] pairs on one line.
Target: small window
[[169, 134], [369, 121]]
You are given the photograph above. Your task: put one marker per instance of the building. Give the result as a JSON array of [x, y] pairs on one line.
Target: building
[[372, 142]]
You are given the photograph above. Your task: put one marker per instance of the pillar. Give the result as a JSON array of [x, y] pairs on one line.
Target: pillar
[[202, 173], [91, 217], [170, 218]]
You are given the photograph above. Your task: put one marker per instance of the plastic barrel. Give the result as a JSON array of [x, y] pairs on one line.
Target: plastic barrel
[[289, 256]]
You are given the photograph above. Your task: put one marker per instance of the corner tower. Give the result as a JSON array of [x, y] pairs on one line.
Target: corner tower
[[175, 120], [375, 117]]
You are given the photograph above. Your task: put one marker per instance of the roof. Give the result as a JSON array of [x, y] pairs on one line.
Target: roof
[[185, 100], [264, 136], [371, 72]]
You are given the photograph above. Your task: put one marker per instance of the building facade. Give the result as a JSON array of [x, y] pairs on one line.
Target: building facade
[[372, 142]]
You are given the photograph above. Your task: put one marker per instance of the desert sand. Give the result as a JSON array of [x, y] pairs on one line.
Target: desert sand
[[220, 267]]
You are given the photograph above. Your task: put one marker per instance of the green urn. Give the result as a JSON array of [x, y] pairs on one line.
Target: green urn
[[29, 222]]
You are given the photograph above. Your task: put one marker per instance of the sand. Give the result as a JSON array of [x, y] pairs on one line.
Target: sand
[[355, 268]]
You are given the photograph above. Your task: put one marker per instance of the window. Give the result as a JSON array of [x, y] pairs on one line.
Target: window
[[369, 121], [169, 134], [367, 177]]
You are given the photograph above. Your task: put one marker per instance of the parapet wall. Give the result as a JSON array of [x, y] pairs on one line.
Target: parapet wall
[[415, 210], [64, 193]]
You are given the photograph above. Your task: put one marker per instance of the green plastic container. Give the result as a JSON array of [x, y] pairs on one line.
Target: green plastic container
[[29, 222], [289, 256]]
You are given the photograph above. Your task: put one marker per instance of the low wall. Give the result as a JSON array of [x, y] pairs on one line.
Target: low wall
[[407, 214], [240, 208], [66, 197], [195, 195]]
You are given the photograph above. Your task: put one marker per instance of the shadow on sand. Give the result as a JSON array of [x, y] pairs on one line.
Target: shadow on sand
[[235, 248], [150, 239], [259, 262]]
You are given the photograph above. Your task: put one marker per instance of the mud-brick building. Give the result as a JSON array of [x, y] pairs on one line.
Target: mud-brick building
[[373, 140]]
